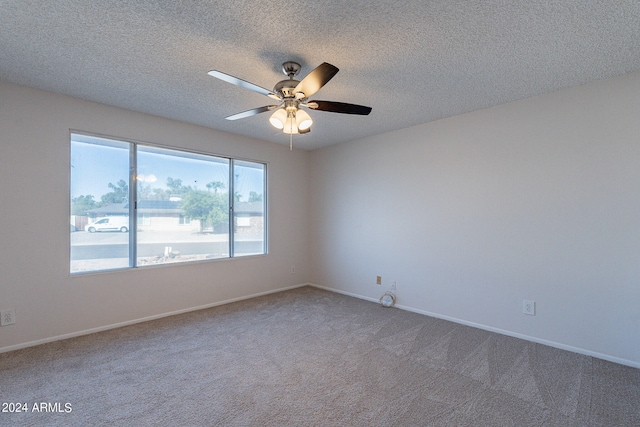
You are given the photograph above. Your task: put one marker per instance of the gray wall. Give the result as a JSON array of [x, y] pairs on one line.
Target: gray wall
[[34, 223], [537, 199]]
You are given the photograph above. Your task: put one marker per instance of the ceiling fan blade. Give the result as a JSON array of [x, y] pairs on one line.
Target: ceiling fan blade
[[339, 107], [250, 113], [316, 79], [242, 83]]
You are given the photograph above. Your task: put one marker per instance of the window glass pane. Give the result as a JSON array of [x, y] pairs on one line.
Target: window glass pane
[[144, 219], [249, 208], [183, 206], [99, 204]]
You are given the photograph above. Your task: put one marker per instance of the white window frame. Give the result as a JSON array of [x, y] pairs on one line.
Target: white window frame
[[133, 215]]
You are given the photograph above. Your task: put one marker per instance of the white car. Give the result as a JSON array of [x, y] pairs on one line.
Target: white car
[[112, 223]]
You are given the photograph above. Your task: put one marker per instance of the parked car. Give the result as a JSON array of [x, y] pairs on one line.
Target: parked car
[[112, 223]]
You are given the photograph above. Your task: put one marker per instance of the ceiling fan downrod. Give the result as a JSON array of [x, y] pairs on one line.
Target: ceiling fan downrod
[[291, 68]]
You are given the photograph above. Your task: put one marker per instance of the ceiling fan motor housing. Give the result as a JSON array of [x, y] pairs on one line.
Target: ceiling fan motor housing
[[286, 87]]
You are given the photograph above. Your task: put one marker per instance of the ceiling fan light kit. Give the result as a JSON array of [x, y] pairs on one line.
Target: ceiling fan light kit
[[278, 118], [303, 119], [292, 95]]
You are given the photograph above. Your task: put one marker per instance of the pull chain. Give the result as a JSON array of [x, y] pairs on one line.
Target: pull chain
[[291, 116]]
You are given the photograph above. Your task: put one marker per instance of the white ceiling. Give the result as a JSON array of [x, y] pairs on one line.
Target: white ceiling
[[412, 61]]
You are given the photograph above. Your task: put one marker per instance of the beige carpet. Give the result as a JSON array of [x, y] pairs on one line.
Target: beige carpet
[[308, 357]]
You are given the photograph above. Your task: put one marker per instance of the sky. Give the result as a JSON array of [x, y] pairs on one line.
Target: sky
[[96, 162]]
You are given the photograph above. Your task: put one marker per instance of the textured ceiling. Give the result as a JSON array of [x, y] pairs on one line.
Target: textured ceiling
[[412, 61]]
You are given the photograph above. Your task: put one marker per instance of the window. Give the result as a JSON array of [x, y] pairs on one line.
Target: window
[[248, 208], [99, 185], [187, 206]]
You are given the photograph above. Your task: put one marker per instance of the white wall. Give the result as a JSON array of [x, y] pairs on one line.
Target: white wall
[[34, 222], [537, 199]]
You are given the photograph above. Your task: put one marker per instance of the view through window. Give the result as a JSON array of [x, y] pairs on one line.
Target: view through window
[[187, 206]]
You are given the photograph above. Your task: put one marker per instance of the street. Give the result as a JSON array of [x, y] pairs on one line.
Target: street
[[121, 250], [86, 246]]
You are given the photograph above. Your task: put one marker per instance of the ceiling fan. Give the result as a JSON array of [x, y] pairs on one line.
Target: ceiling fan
[[292, 94]]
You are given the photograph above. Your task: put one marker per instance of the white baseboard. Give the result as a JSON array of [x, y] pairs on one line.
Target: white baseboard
[[351, 294], [141, 320], [560, 346], [338, 291]]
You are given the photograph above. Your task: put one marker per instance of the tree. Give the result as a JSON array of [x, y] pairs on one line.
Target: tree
[[119, 193], [176, 188], [254, 197], [207, 207], [145, 192], [215, 185], [160, 194], [174, 184], [81, 204], [219, 215]]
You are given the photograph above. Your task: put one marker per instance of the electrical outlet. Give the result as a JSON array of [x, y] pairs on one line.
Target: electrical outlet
[[7, 317], [293, 269], [378, 280], [529, 307]]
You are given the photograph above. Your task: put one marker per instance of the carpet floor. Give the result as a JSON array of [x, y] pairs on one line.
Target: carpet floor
[[308, 357]]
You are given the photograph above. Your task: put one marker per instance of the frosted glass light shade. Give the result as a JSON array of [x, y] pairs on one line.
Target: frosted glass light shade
[[290, 126], [303, 120], [278, 118]]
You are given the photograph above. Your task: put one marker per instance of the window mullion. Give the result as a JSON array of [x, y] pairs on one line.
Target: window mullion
[[133, 205], [231, 207]]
